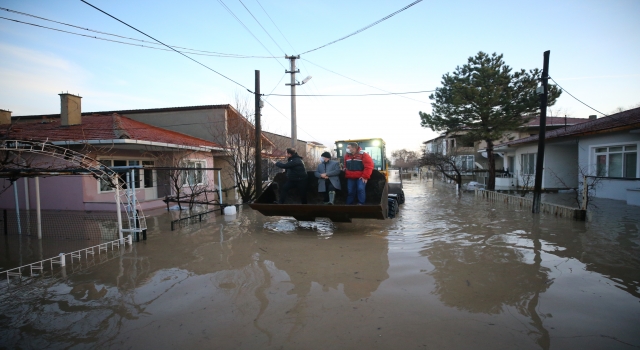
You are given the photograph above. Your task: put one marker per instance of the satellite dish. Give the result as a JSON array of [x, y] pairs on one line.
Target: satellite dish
[[306, 80], [484, 154]]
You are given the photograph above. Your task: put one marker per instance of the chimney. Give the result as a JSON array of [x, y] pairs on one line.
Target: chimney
[[70, 109], [593, 117], [5, 117]]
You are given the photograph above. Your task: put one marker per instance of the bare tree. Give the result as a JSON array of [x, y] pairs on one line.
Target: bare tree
[[404, 158], [446, 164], [582, 195], [526, 181], [185, 185], [239, 153]]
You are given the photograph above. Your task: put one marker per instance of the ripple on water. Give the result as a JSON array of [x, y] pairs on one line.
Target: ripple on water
[[323, 227]]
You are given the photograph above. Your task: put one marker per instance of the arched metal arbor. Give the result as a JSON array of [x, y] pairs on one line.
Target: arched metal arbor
[[123, 196]]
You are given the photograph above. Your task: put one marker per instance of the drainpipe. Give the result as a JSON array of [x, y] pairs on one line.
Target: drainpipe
[[38, 214], [219, 187], [15, 194]]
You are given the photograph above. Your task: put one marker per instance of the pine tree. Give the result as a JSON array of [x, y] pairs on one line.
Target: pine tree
[[484, 99]]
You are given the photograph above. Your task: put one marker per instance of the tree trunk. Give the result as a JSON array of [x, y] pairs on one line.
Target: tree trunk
[[491, 183]]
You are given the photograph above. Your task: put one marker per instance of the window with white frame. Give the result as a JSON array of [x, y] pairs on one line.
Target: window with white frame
[[465, 162], [193, 176], [147, 175], [617, 161], [528, 163]]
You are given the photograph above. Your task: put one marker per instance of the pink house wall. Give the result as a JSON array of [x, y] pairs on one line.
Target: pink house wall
[[81, 192]]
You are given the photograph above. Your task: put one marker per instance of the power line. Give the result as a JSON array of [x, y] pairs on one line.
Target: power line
[[245, 27], [274, 23], [364, 28], [275, 87], [359, 82], [274, 107], [288, 42], [576, 97], [126, 43], [254, 17], [191, 58], [222, 54], [358, 95]]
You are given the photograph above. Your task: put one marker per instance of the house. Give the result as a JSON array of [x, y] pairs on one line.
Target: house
[[221, 125], [605, 147], [315, 150], [281, 143], [472, 157], [114, 140]]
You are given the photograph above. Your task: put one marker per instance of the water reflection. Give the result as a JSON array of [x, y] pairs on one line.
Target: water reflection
[[448, 265], [221, 263]]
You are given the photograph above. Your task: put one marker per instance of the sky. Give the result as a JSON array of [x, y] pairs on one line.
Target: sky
[[595, 55]]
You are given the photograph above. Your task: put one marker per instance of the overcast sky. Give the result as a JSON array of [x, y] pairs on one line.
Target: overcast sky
[[595, 55]]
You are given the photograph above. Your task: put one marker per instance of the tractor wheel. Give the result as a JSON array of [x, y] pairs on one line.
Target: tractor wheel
[[393, 208], [401, 197]]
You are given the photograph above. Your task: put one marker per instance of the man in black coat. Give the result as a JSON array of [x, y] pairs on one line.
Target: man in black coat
[[296, 176]]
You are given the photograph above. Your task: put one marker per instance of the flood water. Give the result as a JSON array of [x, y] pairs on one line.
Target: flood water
[[449, 272]]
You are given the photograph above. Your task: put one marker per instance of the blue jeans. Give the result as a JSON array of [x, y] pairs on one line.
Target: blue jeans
[[355, 186]]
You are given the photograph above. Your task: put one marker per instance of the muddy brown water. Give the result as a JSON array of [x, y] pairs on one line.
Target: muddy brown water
[[450, 272]]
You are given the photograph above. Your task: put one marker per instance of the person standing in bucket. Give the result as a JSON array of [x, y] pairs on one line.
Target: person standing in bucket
[[296, 176], [358, 167], [328, 177]]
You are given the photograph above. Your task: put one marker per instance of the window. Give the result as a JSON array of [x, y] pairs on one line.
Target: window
[[528, 163], [465, 163], [195, 176], [617, 161], [147, 175]]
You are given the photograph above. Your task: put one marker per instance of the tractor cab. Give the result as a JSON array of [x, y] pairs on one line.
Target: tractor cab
[[376, 148]]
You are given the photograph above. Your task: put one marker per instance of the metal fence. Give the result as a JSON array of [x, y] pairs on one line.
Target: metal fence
[[75, 225], [57, 266]]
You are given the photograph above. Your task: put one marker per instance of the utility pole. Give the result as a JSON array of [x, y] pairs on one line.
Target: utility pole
[[293, 71], [258, 127], [544, 93]]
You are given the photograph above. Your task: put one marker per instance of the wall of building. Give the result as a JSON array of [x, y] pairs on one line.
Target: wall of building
[[56, 193], [207, 124], [612, 189], [560, 166]]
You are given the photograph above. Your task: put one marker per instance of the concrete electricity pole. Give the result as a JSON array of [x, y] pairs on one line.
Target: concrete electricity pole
[[292, 70], [294, 125], [544, 93]]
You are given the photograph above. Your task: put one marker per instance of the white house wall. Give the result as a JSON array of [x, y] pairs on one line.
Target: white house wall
[[560, 162], [612, 189]]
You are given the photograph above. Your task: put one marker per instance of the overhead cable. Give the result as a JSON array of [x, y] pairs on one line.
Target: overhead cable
[[364, 28], [358, 95], [222, 54], [126, 43], [254, 17], [248, 30], [190, 58], [359, 82], [576, 97]]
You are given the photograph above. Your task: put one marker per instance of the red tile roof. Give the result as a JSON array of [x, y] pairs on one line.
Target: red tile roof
[[132, 111], [626, 120], [98, 127]]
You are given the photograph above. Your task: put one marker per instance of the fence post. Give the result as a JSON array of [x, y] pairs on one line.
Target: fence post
[[4, 221], [585, 193]]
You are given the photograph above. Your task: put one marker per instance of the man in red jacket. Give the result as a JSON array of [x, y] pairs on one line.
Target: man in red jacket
[[358, 166]]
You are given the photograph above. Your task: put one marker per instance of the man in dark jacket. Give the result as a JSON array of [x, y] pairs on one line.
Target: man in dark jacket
[[296, 176]]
